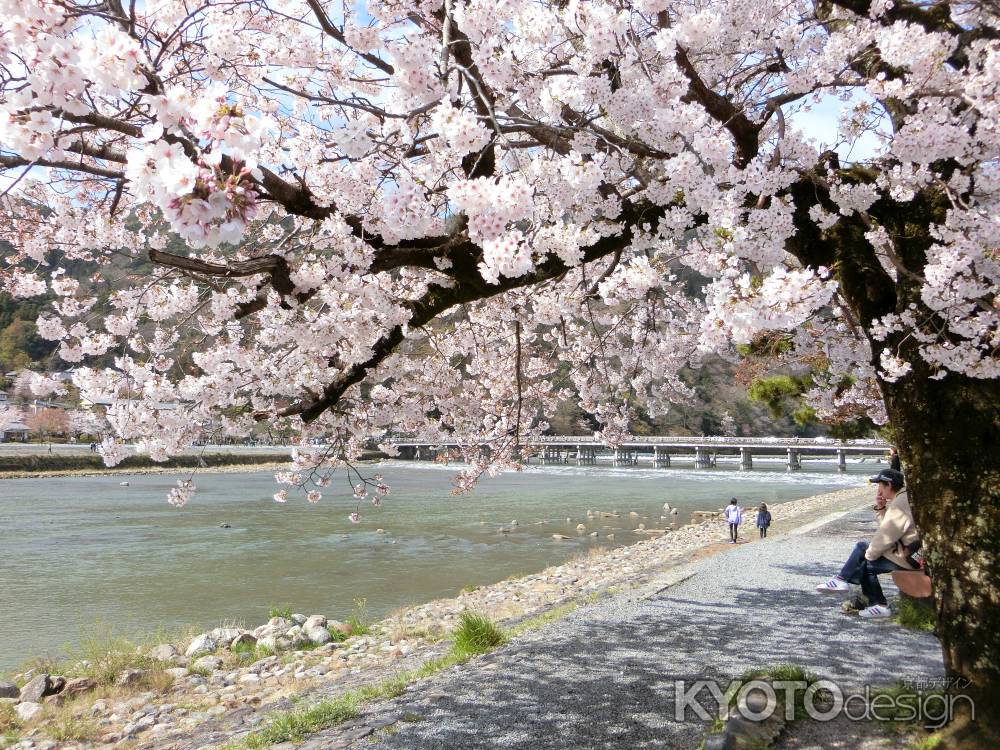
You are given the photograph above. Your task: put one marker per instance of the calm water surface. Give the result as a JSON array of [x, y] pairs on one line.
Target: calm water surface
[[76, 551]]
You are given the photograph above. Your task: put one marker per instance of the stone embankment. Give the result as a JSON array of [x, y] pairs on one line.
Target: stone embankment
[[221, 684]]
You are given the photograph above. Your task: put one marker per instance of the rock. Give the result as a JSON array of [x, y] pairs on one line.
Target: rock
[[224, 636], [560, 536], [243, 640], [593, 533], [202, 644], [34, 690], [54, 700], [314, 621], [130, 677], [79, 685], [318, 635], [514, 522], [210, 663], [164, 652], [299, 619], [27, 710], [580, 528], [280, 623], [666, 507], [674, 511], [633, 514], [268, 641], [56, 685], [225, 526], [9, 690], [340, 627], [379, 531], [177, 672]]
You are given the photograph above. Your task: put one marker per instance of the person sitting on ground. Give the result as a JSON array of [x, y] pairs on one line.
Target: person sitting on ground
[[734, 517], [763, 520], [890, 549]]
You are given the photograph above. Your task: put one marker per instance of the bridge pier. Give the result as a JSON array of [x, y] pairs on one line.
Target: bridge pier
[[702, 459], [841, 461], [661, 459], [794, 462], [746, 459]]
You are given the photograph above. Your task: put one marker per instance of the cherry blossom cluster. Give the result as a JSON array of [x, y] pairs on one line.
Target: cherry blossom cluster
[[449, 219]]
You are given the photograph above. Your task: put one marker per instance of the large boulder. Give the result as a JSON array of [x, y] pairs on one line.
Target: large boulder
[[268, 642], [9, 690], [224, 636], [211, 663], [317, 635], [202, 644], [164, 652], [35, 689], [130, 677], [299, 619], [280, 622], [27, 710], [314, 621]]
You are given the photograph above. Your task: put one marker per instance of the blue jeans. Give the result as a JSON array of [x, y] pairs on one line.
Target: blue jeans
[[857, 569]]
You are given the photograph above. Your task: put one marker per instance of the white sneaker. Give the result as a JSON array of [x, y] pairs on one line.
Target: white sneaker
[[876, 612], [833, 585]]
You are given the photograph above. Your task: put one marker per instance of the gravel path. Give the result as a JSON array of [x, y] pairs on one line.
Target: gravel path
[[603, 677]]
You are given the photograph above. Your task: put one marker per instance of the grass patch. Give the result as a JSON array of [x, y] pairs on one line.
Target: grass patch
[[102, 655], [476, 634], [294, 726], [9, 723], [72, 729], [358, 619], [533, 623], [200, 671], [284, 611], [338, 636], [468, 589], [934, 742], [245, 654], [916, 614]]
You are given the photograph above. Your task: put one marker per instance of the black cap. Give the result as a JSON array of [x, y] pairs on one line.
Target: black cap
[[891, 476]]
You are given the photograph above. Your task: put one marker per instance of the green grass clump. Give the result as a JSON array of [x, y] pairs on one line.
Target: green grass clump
[[476, 634], [358, 620], [283, 611], [295, 725], [337, 635], [73, 729], [916, 614], [533, 623], [9, 725]]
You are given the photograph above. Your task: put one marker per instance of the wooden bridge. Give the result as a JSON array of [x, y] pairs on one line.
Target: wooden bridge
[[659, 452]]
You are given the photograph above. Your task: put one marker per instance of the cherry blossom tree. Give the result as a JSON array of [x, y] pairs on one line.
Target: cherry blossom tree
[[85, 422], [445, 216], [47, 423]]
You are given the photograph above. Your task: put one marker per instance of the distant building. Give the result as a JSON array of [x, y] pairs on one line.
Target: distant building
[[15, 432]]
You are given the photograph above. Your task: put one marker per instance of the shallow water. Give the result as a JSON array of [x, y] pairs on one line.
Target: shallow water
[[75, 551]]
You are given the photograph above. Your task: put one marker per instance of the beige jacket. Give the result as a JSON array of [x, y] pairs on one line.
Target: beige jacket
[[896, 529]]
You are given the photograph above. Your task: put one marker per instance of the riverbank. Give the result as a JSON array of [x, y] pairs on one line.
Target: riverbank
[[42, 465], [169, 699]]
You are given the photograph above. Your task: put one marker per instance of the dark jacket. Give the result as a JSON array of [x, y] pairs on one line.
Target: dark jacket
[[763, 519]]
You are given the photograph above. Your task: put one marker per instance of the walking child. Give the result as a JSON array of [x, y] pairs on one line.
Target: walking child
[[763, 520], [734, 517]]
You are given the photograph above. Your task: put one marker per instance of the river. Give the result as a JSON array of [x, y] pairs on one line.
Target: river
[[76, 552]]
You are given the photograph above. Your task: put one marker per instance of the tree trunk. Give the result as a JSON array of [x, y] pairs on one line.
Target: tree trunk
[[948, 434]]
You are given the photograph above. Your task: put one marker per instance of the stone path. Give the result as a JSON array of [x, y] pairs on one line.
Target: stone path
[[603, 677]]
